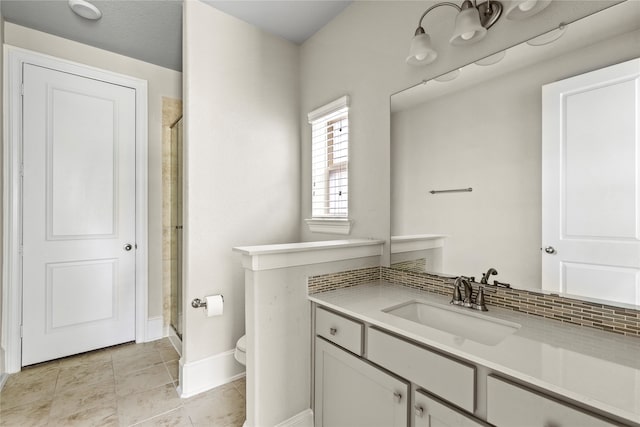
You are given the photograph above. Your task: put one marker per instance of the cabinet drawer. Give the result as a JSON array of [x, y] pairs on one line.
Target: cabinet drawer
[[339, 330], [509, 405], [452, 380], [430, 411]]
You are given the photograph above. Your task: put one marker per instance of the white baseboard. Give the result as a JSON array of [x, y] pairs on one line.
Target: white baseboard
[[303, 419], [155, 328], [202, 375]]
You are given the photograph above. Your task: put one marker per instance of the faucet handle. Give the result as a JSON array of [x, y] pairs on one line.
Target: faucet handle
[[480, 303], [501, 284]]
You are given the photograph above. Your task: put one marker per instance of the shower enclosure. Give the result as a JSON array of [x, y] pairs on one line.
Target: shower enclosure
[[176, 226]]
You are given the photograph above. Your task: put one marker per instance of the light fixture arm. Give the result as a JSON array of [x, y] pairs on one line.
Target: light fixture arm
[[471, 24], [445, 3], [488, 15]]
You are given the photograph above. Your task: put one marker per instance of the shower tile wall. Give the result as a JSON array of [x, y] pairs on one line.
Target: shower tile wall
[[171, 112]]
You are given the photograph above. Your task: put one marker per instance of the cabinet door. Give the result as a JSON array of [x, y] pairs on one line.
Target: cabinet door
[[510, 405], [431, 412], [350, 392]]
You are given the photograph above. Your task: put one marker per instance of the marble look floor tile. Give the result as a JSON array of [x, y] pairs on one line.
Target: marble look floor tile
[[123, 366], [128, 350], [138, 407], [176, 418], [174, 369], [98, 356], [222, 406], [29, 415], [142, 380], [169, 354], [32, 374], [101, 416], [84, 375], [29, 385], [75, 399], [241, 386], [162, 343]]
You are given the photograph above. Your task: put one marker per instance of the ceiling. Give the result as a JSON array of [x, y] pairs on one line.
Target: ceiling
[[151, 30]]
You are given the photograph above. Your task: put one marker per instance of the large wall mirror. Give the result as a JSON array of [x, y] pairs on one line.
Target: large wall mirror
[[528, 162]]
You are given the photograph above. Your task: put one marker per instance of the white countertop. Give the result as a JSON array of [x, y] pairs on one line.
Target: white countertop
[[268, 257], [594, 367], [305, 246]]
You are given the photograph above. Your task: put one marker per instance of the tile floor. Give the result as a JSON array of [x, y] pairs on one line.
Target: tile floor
[[130, 384]]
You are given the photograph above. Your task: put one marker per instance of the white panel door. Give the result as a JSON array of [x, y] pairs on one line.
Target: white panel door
[[78, 214], [591, 184]]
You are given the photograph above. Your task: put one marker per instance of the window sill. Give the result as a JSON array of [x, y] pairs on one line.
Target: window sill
[[329, 225]]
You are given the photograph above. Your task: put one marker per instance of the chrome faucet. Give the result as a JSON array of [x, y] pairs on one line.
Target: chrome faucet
[[462, 282], [467, 301]]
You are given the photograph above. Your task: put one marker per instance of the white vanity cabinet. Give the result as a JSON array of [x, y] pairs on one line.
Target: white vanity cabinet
[[512, 405], [350, 392], [432, 412], [367, 376]]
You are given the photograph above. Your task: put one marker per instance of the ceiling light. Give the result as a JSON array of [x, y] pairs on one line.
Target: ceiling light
[[523, 9], [421, 51], [471, 24], [85, 9], [468, 28]]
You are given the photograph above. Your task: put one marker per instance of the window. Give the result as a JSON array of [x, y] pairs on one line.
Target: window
[[329, 167]]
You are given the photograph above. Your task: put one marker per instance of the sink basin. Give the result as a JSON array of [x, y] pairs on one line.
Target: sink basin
[[458, 321]]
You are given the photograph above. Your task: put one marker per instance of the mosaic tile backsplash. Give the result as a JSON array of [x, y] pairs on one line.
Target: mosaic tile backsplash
[[343, 279], [619, 320]]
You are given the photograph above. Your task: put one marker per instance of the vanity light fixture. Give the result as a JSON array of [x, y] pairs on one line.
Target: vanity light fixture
[[471, 24], [523, 9], [85, 9]]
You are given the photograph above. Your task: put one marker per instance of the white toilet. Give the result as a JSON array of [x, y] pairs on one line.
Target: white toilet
[[241, 350]]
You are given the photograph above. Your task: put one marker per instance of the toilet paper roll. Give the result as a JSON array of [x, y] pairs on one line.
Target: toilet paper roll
[[215, 305]]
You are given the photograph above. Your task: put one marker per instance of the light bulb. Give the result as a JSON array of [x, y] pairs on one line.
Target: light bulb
[[468, 35], [527, 5], [420, 56]]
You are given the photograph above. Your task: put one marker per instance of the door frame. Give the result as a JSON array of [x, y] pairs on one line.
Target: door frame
[[14, 58]]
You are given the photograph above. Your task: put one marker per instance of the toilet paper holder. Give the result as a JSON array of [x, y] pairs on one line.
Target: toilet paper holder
[[198, 303]]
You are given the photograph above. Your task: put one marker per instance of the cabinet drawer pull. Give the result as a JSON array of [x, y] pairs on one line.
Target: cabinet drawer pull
[[419, 411], [333, 331], [398, 396]]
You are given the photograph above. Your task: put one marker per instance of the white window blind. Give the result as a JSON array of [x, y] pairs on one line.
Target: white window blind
[[330, 159]]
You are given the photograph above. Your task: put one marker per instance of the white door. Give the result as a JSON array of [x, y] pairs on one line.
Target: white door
[[591, 184], [78, 214]]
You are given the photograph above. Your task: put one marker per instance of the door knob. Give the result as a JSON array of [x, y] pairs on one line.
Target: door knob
[[128, 247], [550, 250]]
